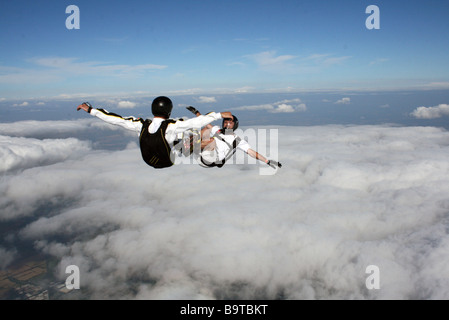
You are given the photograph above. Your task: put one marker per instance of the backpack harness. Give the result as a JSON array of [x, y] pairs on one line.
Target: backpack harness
[[154, 147]]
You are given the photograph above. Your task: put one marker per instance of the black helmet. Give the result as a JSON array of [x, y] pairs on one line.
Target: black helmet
[[162, 107], [236, 124]]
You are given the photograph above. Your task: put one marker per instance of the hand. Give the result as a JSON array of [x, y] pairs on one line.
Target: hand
[[226, 114], [274, 164], [86, 106], [192, 109]]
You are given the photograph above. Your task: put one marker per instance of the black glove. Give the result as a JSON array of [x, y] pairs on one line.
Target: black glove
[[192, 109], [274, 164], [83, 105]]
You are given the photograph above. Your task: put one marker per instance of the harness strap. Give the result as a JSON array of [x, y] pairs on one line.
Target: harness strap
[[232, 149]]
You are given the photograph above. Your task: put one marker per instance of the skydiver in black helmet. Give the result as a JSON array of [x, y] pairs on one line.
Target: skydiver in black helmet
[[157, 136]]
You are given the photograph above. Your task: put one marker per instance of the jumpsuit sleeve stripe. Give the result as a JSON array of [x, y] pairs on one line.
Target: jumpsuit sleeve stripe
[[112, 114], [130, 123]]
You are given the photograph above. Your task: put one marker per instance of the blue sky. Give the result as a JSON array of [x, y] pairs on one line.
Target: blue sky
[[198, 46]]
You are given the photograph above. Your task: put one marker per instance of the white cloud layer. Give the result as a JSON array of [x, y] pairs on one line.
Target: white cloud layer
[[346, 197], [32, 128], [25, 152]]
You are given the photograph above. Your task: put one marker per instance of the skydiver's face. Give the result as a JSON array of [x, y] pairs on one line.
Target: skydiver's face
[[228, 124]]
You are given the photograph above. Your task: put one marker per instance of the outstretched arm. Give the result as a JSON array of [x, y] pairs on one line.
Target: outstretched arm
[[260, 157], [257, 155], [130, 123]]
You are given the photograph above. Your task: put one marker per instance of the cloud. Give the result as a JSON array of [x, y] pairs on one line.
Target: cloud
[[269, 60], [23, 104], [32, 128], [51, 69], [244, 89], [325, 60], [204, 99], [285, 106], [344, 101], [6, 257], [25, 153], [293, 64], [126, 105], [71, 65], [347, 197], [433, 86], [431, 112], [378, 61]]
